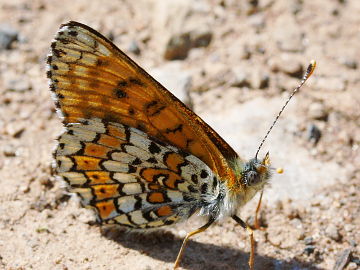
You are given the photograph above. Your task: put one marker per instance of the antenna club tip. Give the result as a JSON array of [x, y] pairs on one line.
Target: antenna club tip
[[311, 68], [279, 170]]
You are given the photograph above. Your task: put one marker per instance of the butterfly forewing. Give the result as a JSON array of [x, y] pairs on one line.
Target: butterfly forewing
[[91, 78]]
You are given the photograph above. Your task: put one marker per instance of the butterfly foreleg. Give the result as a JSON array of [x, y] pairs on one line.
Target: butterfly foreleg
[[186, 239], [252, 242]]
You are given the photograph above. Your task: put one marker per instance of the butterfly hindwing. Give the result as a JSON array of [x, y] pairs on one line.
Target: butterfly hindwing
[[129, 178]]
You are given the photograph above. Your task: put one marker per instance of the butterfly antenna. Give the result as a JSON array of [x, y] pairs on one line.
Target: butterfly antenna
[[307, 75]]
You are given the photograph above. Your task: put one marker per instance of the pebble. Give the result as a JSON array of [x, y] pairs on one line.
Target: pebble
[[313, 134], [200, 38], [15, 130], [178, 47], [309, 249], [317, 111], [9, 151], [342, 259], [240, 78], [332, 232], [350, 63], [20, 84], [309, 241], [260, 80], [134, 48], [287, 64], [7, 36], [257, 21], [352, 266]]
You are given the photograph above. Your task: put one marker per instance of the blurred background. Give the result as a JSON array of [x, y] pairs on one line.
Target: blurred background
[[234, 63]]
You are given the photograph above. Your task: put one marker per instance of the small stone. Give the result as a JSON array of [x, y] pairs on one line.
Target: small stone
[[134, 48], [9, 151], [317, 111], [240, 78], [350, 63], [257, 21], [17, 84], [260, 80], [200, 38], [309, 241], [7, 36], [313, 134], [288, 65], [352, 266], [333, 232], [342, 259], [309, 249], [15, 130], [178, 47]]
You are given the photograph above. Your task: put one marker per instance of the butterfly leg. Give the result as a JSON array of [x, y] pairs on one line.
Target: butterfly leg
[[256, 222], [252, 242], [201, 229]]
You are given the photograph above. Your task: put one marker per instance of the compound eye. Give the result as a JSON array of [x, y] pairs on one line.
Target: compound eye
[[253, 178]]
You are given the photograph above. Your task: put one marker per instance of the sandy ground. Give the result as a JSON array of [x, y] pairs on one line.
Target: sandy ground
[[238, 83]]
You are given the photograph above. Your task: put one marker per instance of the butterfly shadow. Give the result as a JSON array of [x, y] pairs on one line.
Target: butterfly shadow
[[164, 246]]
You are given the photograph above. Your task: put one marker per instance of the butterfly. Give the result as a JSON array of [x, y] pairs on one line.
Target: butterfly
[[132, 151]]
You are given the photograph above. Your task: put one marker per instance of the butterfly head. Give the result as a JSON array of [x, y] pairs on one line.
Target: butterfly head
[[256, 173]]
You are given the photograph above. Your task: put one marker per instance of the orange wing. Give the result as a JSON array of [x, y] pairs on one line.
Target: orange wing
[[92, 78]]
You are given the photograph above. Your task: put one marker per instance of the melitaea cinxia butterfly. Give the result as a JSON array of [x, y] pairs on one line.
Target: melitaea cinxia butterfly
[[132, 151]]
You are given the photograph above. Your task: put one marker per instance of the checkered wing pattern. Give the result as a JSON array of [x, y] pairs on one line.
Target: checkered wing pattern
[[129, 178]]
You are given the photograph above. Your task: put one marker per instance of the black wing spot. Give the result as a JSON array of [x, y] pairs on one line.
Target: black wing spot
[[131, 111], [204, 188], [122, 83], [100, 62], [136, 81], [73, 33], [154, 148], [192, 189], [151, 104], [175, 129], [138, 203], [168, 221], [136, 161], [194, 179], [131, 169], [120, 93], [152, 160], [215, 182], [204, 174]]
